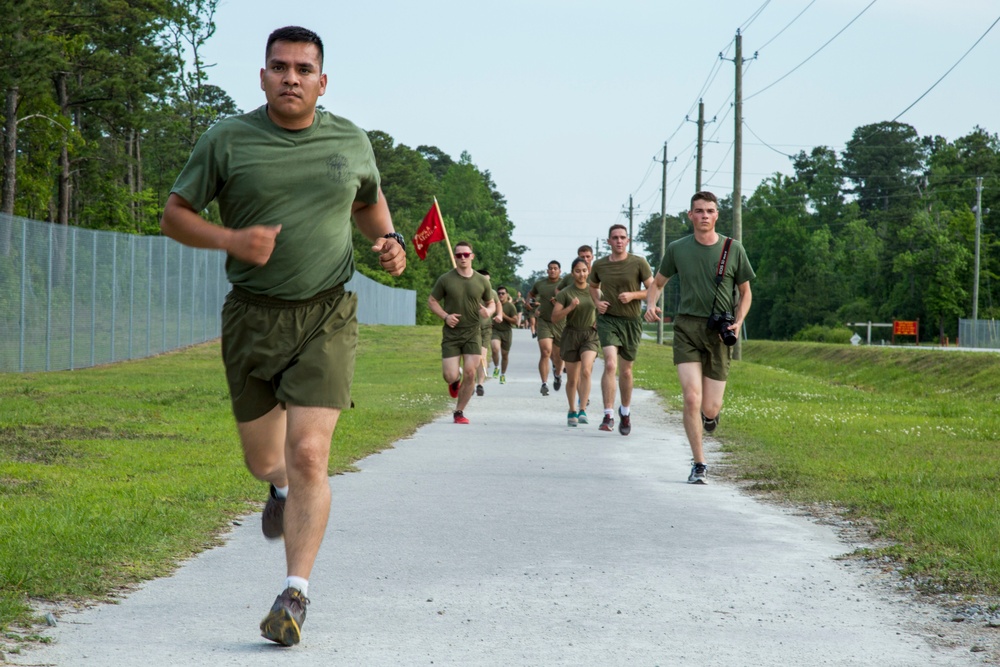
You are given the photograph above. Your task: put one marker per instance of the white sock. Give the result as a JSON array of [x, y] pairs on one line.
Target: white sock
[[299, 583], [625, 411], [609, 413], [281, 491]]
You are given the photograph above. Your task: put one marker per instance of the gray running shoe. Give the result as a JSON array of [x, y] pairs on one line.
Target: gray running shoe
[[283, 624], [624, 423], [544, 389], [479, 390], [272, 520], [699, 472]]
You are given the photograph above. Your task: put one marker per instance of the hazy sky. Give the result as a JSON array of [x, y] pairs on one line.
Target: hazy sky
[[567, 103]]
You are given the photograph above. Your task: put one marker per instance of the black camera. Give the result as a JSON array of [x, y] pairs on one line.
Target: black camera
[[721, 322]]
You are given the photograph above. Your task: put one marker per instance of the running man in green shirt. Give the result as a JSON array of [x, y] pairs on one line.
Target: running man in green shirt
[[457, 298], [701, 358], [618, 285], [288, 179], [503, 324], [549, 334]]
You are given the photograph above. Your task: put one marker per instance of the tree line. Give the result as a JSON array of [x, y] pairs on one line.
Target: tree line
[[883, 230], [104, 99]]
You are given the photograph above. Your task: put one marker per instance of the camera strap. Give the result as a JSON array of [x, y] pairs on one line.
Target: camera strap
[[720, 272]]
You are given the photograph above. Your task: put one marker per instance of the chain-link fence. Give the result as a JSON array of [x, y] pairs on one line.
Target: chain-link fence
[[72, 298], [979, 333]]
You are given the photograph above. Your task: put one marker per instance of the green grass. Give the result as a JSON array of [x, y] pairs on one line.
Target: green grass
[[110, 475], [905, 439]]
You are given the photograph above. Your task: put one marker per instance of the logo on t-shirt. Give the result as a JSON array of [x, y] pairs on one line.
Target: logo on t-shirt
[[336, 168]]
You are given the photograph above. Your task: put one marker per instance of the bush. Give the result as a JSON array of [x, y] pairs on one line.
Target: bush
[[820, 334]]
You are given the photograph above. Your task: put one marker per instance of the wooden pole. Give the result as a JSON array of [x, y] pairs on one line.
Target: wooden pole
[[444, 228]]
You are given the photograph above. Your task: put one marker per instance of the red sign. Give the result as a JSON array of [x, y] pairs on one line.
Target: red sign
[[904, 328]]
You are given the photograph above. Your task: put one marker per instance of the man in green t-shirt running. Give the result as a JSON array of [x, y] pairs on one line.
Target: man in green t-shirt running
[[618, 285], [457, 298], [503, 324], [701, 357], [288, 179], [549, 334]]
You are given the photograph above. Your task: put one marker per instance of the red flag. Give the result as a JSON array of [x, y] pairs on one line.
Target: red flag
[[431, 230]]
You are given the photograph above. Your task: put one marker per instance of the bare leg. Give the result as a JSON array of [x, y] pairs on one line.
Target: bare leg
[[572, 377], [583, 383], [625, 381], [545, 354], [608, 378], [468, 385]]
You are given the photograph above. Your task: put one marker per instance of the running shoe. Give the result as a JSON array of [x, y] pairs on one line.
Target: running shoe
[[608, 424], [496, 371], [453, 389], [283, 624], [709, 424], [557, 382], [625, 423], [572, 419], [581, 417], [544, 389], [272, 520], [460, 418], [503, 379], [699, 471], [479, 390]]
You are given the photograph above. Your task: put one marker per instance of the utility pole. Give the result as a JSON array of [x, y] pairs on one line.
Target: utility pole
[[975, 284], [663, 239], [630, 211], [738, 148], [701, 143]]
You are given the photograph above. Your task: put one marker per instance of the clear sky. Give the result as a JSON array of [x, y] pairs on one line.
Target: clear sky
[[568, 102]]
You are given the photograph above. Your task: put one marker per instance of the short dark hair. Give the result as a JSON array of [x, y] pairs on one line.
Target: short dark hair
[[502, 288], [484, 272], [704, 195], [466, 244], [618, 226], [294, 33], [554, 261], [585, 248]]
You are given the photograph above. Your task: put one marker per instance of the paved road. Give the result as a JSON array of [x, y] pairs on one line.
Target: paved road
[[517, 540]]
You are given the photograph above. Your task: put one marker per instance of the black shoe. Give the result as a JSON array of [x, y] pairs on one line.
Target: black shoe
[[624, 423], [608, 424], [479, 390], [557, 382], [283, 624], [699, 472], [272, 520], [709, 424]]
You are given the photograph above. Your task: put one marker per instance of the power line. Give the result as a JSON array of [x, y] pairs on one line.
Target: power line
[[764, 142], [814, 52], [753, 17], [949, 70], [786, 27]]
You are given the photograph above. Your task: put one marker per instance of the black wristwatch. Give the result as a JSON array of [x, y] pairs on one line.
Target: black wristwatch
[[399, 238]]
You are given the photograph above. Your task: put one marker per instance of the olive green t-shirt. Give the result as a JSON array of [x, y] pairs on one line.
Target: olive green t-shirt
[[584, 316], [510, 311], [305, 180], [463, 296], [494, 297], [544, 290], [695, 265], [626, 275]]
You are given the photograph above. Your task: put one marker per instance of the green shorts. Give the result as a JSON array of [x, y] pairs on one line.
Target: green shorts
[[460, 341], [546, 329], [624, 333], [281, 352], [506, 338], [577, 341], [694, 342]]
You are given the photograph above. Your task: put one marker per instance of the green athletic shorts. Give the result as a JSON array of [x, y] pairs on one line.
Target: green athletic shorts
[[577, 341], [694, 342], [625, 333], [280, 352], [460, 341], [506, 338], [546, 329]]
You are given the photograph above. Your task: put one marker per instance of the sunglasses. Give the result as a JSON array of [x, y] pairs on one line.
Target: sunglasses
[[463, 255]]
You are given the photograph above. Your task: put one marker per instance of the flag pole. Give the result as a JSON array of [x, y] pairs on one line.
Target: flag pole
[[444, 228]]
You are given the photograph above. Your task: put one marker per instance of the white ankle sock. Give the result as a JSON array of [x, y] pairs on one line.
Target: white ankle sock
[[299, 583], [625, 411], [281, 491], [609, 413]]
